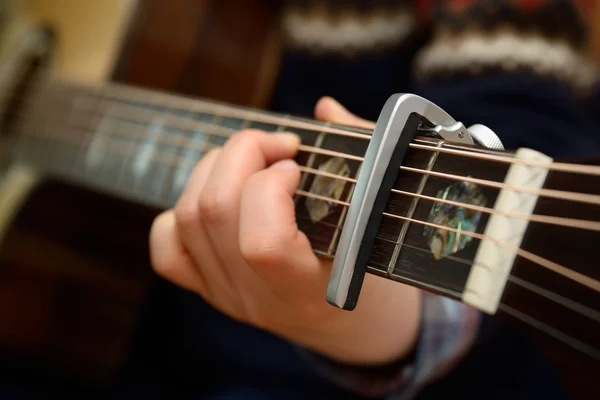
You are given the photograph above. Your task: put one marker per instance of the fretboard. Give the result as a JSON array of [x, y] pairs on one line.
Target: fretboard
[[142, 145]]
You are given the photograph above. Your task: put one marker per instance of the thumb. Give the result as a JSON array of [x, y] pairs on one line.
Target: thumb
[[328, 109]]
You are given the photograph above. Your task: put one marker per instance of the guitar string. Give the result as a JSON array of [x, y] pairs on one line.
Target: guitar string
[[278, 120], [558, 334], [577, 344], [547, 219], [159, 99], [543, 261], [527, 317], [562, 300], [552, 266], [563, 195], [557, 268], [545, 192], [569, 304], [211, 129]]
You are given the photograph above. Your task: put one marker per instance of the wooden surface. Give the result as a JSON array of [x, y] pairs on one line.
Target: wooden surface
[[225, 50]]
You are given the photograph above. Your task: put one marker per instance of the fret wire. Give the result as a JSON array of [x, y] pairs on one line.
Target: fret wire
[[186, 122], [468, 178], [410, 213], [342, 218], [539, 218], [575, 306], [281, 126], [501, 157], [174, 190], [125, 163], [327, 174], [92, 124], [463, 178], [423, 249], [311, 160], [205, 106], [105, 116], [543, 262], [415, 282], [566, 195], [367, 135], [175, 139], [245, 124], [165, 169], [217, 118], [142, 94], [105, 166], [527, 255], [578, 307], [310, 149]]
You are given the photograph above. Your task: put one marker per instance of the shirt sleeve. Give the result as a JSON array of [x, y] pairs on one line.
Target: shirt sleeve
[[447, 330]]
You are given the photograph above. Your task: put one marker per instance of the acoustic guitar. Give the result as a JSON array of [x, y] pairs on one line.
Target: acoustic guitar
[[88, 166]]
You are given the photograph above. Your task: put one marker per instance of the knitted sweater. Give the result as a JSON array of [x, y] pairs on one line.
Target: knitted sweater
[[519, 66], [498, 62]]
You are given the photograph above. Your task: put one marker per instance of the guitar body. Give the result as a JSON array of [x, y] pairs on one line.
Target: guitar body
[[74, 264]]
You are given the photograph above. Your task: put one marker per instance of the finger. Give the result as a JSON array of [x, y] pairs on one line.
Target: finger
[[269, 239], [243, 155], [187, 217], [169, 258], [328, 109]]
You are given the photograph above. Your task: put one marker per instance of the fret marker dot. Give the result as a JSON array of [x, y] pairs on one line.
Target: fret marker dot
[[326, 186], [443, 242]]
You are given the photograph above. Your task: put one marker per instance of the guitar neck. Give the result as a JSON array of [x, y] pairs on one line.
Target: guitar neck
[[142, 145]]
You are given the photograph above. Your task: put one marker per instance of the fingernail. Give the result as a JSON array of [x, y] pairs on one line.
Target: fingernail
[[285, 164], [290, 139]]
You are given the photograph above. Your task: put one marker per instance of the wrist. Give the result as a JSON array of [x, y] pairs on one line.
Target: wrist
[[381, 330]]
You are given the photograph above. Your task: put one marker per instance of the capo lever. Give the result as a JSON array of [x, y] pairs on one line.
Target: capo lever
[[396, 127]]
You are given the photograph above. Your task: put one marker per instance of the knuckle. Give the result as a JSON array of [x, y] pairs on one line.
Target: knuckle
[[263, 249], [244, 137], [212, 207], [187, 213]]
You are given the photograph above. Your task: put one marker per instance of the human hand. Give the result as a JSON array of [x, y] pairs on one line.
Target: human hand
[[232, 238]]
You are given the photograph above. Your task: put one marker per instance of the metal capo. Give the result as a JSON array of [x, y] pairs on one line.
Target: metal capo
[[396, 127]]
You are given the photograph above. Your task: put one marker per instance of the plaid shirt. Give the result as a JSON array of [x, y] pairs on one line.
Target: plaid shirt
[[447, 331]]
